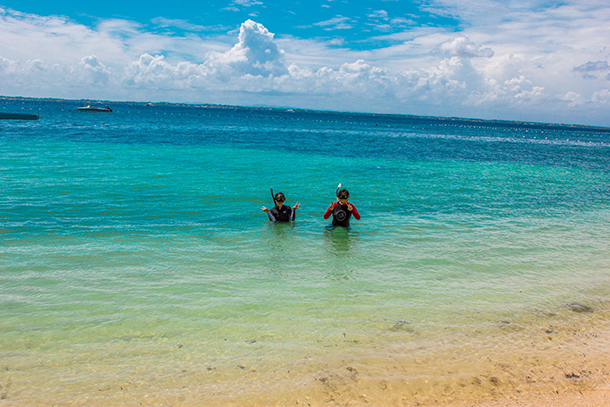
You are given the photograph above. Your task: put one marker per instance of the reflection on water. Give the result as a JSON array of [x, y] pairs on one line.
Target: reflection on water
[[340, 241], [279, 243], [340, 244], [281, 230]]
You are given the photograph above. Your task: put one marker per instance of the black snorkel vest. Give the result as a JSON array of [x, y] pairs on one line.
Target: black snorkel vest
[[341, 215]]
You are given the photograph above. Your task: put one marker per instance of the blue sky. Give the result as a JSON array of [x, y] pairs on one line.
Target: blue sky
[[529, 60], [356, 24]]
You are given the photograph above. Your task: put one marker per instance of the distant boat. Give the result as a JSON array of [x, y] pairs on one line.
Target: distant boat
[[90, 108], [18, 116]]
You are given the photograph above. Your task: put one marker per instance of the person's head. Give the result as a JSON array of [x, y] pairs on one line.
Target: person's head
[[343, 195], [279, 199]]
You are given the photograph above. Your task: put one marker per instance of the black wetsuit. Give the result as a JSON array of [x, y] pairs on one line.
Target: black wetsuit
[[286, 214], [341, 214]]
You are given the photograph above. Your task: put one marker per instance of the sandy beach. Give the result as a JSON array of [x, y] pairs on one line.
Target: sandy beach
[[575, 374], [593, 398], [563, 364]]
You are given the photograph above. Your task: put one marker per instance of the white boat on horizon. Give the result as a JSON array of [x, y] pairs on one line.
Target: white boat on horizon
[[90, 108]]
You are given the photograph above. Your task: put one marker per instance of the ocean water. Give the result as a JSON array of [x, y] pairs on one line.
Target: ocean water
[[136, 265]]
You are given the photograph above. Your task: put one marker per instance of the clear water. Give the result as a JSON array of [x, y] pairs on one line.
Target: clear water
[[136, 265]]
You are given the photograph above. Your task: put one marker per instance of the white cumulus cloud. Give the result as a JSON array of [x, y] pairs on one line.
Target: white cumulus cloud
[[531, 64], [255, 54], [461, 47], [602, 96], [96, 71]]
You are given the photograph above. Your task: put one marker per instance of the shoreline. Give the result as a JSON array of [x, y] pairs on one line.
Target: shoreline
[[572, 370]]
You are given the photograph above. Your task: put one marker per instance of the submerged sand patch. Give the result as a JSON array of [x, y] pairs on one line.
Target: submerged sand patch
[[533, 360]]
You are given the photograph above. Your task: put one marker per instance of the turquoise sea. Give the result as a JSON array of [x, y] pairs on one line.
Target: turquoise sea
[[137, 268]]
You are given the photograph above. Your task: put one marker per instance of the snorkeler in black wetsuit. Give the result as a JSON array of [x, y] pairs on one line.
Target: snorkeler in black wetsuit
[[281, 212], [342, 210]]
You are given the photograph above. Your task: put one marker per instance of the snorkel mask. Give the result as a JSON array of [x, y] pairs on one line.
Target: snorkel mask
[[342, 193]]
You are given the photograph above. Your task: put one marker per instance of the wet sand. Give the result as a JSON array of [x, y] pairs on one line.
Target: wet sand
[[564, 366], [560, 361], [593, 398]]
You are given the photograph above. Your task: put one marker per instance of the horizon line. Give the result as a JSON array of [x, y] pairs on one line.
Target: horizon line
[[514, 123]]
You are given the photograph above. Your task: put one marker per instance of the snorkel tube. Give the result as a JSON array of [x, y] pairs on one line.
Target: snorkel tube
[[337, 190], [272, 196]]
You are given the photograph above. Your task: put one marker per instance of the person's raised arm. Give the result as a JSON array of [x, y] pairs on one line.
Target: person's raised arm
[[330, 210], [354, 211], [268, 212]]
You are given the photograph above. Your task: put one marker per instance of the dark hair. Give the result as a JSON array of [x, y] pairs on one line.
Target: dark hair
[[344, 193]]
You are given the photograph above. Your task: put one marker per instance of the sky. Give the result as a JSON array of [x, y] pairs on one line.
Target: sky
[[530, 60]]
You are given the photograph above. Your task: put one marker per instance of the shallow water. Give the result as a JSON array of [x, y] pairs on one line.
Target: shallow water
[[136, 264]]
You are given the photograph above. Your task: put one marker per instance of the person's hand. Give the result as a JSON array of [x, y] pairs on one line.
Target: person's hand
[[350, 207], [332, 205], [296, 206], [264, 209]]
